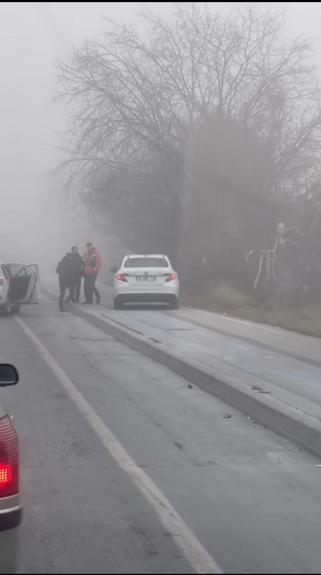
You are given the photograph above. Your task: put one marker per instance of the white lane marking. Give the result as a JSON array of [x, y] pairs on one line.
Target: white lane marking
[[193, 550]]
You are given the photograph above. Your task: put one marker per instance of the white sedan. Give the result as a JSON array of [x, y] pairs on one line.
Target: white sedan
[[18, 285], [145, 278]]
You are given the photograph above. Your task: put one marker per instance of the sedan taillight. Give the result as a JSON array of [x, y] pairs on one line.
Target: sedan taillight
[[9, 458], [171, 277], [121, 277]]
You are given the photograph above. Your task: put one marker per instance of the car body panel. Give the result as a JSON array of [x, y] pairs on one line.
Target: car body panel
[[10, 504], [5, 283]]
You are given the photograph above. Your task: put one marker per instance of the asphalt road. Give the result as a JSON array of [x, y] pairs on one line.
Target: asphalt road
[[126, 468], [284, 364]]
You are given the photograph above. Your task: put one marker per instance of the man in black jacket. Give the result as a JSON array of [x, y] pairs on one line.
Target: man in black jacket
[[78, 265], [66, 278]]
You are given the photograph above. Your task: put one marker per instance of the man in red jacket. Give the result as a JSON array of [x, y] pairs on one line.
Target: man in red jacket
[[92, 267]]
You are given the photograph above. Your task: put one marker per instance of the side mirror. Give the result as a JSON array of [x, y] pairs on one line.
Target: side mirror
[[8, 375], [114, 269]]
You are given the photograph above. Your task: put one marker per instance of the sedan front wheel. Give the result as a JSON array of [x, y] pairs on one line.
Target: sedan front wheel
[[7, 308], [15, 308]]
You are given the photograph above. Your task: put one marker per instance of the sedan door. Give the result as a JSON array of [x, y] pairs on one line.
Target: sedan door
[[24, 283]]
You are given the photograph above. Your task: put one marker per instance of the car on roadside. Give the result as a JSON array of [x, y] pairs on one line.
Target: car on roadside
[[145, 278], [10, 498], [18, 286]]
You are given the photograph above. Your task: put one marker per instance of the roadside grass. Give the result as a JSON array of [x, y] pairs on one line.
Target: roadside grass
[[229, 301]]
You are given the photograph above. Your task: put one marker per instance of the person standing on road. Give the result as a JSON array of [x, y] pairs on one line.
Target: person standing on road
[[93, 263], [78, 265], [65, 273]]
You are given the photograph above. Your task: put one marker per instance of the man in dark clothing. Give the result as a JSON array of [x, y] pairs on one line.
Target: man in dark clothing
[[78, 265], [66, 277]]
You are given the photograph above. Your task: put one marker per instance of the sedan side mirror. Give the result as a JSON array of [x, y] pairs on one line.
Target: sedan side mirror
[[8, 375], [114, 269]]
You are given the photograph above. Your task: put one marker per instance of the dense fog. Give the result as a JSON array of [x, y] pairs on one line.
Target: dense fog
[[38, 223]]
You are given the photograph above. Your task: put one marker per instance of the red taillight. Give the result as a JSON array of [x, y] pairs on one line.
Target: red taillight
[[171, 277], [5, 475], [9, 458], [121, 277]]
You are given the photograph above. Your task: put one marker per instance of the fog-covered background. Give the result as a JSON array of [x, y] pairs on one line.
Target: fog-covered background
[[35, 224]]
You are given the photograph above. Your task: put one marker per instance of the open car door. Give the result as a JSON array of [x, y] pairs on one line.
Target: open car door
[[24, 283]]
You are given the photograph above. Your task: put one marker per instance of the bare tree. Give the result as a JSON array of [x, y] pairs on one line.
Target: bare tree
[[140, 103]]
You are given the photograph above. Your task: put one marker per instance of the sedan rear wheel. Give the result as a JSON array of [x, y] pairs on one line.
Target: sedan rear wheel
[[117, 303]]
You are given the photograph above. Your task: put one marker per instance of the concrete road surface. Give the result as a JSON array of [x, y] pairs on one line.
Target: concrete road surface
[[127, 468]]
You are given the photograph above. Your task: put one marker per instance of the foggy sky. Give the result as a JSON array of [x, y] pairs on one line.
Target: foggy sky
[[32, 36]]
